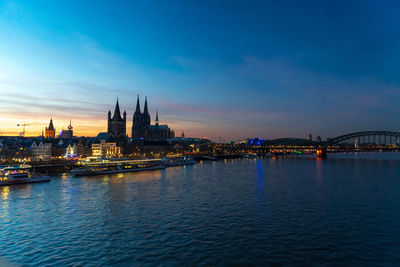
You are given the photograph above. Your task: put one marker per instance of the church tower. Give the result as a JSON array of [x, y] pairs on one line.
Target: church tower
[[117, 125], [50, 132]]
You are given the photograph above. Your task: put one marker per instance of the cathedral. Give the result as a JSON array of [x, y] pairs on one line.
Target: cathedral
[[142, 128], [117, 125]]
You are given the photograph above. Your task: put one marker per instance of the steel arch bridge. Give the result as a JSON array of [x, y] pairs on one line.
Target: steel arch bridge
[[352, 136], [334, 141]]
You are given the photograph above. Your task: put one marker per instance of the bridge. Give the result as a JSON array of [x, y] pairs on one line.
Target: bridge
[[361, 139], [367, 137]]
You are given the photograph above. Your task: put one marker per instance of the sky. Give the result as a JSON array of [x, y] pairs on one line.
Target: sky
[[219, 69]]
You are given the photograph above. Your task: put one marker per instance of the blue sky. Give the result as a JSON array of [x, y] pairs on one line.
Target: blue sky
[[234, 69]]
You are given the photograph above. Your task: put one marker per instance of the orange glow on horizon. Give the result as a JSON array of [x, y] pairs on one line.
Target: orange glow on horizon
[[82, 126]]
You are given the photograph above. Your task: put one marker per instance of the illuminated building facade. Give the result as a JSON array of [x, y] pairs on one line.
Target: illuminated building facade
[[71, 152], [67, 134], [40, 152], [142, 128], [50, 132], [104, 149]]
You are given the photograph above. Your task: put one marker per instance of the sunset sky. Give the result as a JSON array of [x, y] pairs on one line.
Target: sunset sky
[[233, 69]]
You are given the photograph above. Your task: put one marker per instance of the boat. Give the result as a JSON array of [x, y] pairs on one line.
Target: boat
[[21, 174], [102, 166], [178, 161], [250, 156], [198, 158]]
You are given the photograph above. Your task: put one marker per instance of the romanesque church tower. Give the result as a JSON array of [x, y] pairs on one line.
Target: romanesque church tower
[[117, 125], [50, 132]]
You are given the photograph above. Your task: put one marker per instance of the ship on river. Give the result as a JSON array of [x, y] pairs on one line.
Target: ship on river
[[21, 174], [109, 166], [178, 161]]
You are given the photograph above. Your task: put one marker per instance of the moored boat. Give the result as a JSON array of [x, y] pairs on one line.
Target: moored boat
[[21, 174], [110, 166], [250, 156], [178, 161]]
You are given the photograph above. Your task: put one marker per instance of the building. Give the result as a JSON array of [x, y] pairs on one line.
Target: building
[[309, 136], [117, 126], [142, 128], [67, 134], [40, 152], [71, 152], [50, 132], [104, 149], [83, 149]]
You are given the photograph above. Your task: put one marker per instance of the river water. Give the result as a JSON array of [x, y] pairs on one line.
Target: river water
[[249, 211]]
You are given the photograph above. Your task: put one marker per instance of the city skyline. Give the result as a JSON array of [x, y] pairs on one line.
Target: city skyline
[[267, 70]]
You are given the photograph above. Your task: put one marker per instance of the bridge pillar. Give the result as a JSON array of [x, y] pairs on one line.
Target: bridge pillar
[[322, 153]]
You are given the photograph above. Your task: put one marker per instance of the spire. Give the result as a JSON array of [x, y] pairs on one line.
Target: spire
[[117, 113], [51, 127], [146, 111], [146, 114], [157, 117], [137, 105]]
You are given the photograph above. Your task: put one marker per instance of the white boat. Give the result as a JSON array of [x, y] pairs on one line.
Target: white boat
[[178, 161], [21, 174], [110, 166]]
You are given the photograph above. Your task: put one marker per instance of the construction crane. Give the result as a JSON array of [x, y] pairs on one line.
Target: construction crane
[[23, 125]]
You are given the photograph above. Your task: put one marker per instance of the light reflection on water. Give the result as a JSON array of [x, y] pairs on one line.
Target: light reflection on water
[[5, 191], [251, 211]]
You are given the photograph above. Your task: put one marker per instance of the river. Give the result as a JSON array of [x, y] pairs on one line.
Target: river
[[286, 211]]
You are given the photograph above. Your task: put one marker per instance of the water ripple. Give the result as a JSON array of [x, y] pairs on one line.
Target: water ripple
[[241, 212]]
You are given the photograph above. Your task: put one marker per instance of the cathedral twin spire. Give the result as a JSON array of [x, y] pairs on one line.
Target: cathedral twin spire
[[145, 114], [138, 106], [146, 109], [141, 125], [138, 115]]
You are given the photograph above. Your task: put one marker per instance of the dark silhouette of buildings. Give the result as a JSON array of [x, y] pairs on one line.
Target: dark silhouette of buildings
[[142, 128], [117, 126]]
